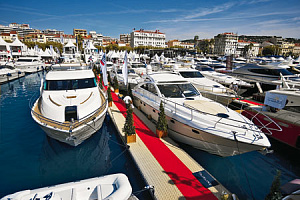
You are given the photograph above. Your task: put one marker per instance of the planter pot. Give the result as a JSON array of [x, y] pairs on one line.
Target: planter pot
[[161, 134], [116, 91], [110, 104], [130, 138]]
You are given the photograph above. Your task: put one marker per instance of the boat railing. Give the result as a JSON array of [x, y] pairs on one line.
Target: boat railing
[[182, 111], [68, 125]]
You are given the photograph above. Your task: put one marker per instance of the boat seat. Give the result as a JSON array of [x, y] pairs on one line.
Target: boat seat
[[206, 106]]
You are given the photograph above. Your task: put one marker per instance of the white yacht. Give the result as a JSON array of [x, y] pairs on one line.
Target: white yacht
[[224, 79], [133, 78], [115, 186], [71, 106], [208, 88], [196, 120], [9, 73], [30, 64]]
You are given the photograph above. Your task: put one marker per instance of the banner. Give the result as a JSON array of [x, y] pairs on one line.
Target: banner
[[275, 100], [125, 69]]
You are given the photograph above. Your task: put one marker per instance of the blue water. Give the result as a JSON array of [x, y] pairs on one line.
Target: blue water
[[250, 175], [29, 159]]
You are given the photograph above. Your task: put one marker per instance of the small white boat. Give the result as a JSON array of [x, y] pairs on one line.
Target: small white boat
[[71, 106], [196, 120], [115, 186], [30, 64]]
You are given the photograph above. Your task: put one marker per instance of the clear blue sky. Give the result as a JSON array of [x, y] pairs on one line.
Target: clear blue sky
[[179, 19]]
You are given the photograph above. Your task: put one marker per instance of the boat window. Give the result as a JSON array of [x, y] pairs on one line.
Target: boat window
[[70, 84], [194, 74], [178, 90], [6, 67], [24, 60], [274, 72]]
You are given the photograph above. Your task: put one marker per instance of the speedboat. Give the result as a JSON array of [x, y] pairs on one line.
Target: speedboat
[[266, 74], [71, 106], [9, 73], [283, 107], [133, 78], [208, 88], [224, 79], [115, 186], [196, 120], [138, 67], [30, 64]]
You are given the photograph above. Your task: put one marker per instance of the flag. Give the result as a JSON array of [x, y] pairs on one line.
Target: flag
[[125, 69], [51, 50], [62, 39], [103, 69]]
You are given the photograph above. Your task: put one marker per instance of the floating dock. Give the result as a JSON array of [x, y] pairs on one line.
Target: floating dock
[[163, 164]]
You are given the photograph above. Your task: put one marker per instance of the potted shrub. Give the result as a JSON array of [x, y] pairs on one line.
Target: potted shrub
[[129, 128], [109, 97], [116, 85], [162, 125]]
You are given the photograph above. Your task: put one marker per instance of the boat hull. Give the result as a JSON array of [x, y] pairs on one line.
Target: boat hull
[[290, 133], [115, 186], [184, 133], [78, 135]]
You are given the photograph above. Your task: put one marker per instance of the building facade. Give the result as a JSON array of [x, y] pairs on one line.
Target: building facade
[[147, 38], [247, 48], [225, 44], [97, 38], [125, 38], [82, 32]]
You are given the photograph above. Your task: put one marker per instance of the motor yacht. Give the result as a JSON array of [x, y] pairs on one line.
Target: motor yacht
[[30, 64], [114, 186], [266, 74], [285, 112], [9, 73], [208, 88], [224, 79], [133, 78], [196, 120], [71, 106]]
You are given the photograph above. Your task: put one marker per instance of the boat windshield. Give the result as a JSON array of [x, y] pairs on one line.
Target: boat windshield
[[73, 84], [274, 72], [178, 90], [194, 74], [138, 66], [24, 60]]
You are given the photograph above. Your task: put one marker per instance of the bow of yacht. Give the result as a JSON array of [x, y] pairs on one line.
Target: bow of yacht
[[196, 120], [71, 106]]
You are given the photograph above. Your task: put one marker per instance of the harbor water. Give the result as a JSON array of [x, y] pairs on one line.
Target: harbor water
[[29, 159]]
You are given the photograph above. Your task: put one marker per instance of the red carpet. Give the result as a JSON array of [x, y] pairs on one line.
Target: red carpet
[[182, 177]]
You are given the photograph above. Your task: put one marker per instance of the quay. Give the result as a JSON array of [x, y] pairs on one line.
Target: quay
[[163, 164]]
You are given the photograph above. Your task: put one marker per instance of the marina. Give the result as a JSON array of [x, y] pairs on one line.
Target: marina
[[106, 153]]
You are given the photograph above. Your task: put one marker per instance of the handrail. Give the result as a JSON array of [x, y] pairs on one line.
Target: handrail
[[71, 125], [176, 105]]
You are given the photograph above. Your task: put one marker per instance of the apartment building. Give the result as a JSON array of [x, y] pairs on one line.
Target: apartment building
[[225, 44], [147, 38]]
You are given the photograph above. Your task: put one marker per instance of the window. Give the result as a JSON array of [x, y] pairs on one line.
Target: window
[[70, 84]]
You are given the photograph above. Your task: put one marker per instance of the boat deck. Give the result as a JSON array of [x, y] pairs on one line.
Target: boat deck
[[66, 125], [162, 162]]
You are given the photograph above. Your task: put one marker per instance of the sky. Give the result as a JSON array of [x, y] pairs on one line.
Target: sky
[[178, 19]]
